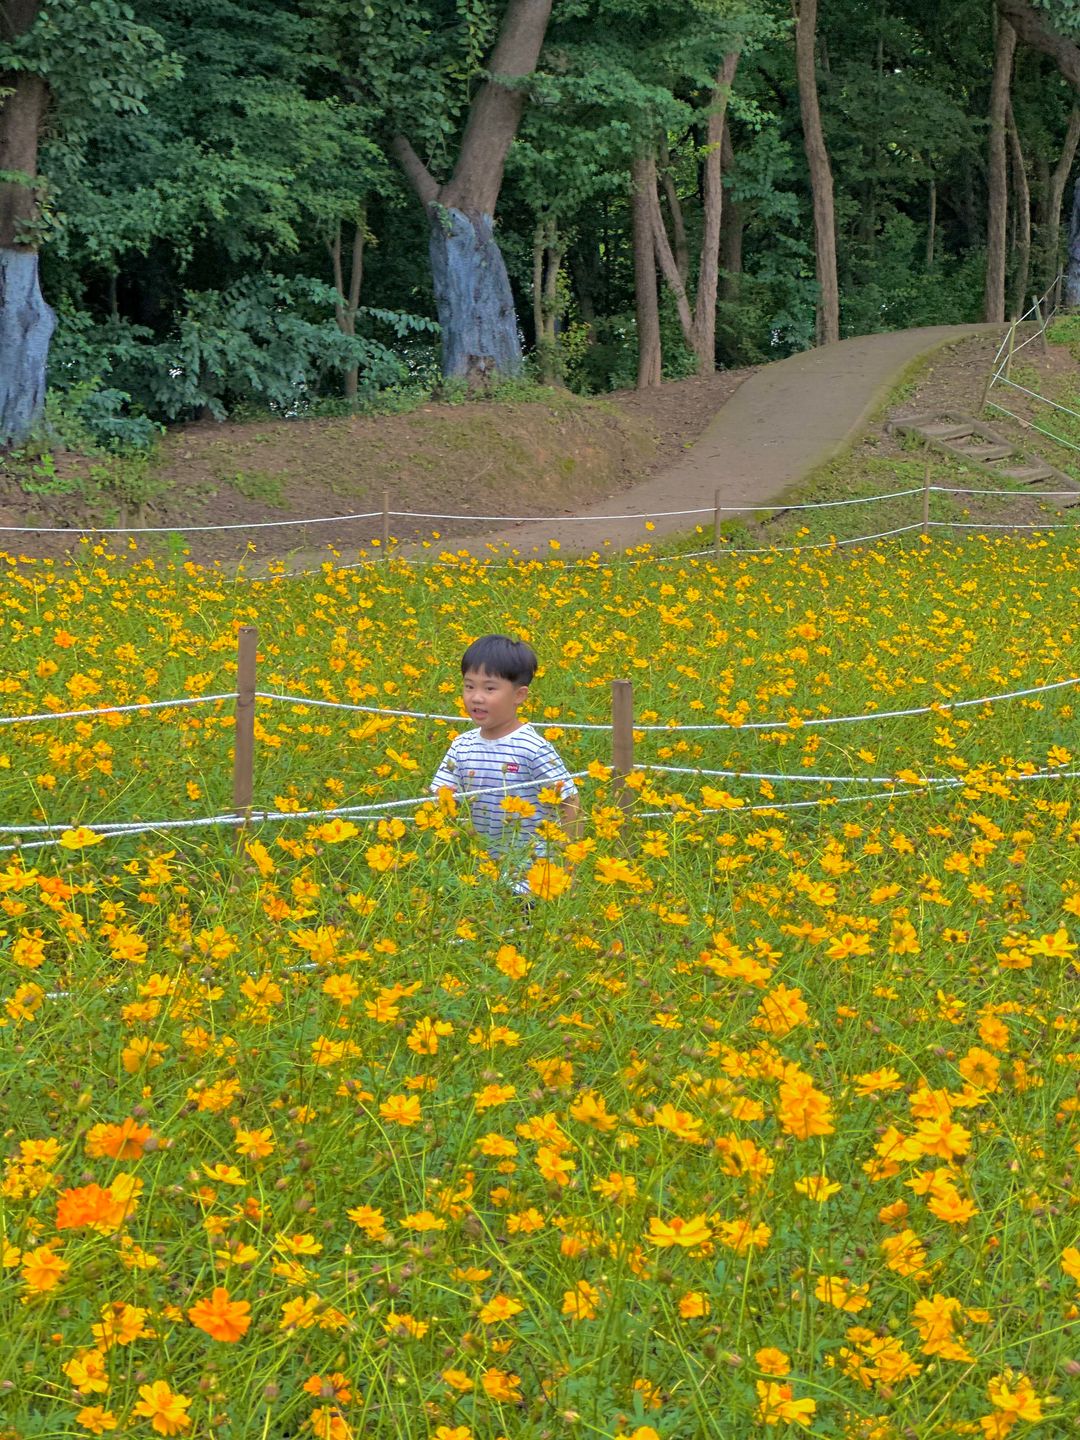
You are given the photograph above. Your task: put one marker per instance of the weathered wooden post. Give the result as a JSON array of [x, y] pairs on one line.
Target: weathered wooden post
[[927, 471], [386, 522], [244, 737], [717, 537], [622, 743], [1042, 324], [1009, 353]]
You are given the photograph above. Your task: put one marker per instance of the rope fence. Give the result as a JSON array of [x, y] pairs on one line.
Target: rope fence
[[621, 728]]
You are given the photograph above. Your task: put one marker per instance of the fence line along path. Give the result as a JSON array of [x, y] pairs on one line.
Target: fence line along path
[[781, 423]]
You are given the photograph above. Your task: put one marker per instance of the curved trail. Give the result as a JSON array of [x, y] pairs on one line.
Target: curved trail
[[782, 423]]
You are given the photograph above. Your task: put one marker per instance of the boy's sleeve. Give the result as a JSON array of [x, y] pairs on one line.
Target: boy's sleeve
[[548, 769], [446, 775]]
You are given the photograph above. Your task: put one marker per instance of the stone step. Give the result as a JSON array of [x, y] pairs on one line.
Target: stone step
[[986, 451], [1028, 474], [944, 430]]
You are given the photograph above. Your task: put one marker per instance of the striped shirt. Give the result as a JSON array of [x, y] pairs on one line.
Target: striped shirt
[[520, 764]]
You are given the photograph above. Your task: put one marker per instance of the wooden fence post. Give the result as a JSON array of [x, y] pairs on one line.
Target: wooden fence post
[[1042, 324], [926, 493], [244, 737], [386, 522], [622, 743], [1009, 352], [716, 536]]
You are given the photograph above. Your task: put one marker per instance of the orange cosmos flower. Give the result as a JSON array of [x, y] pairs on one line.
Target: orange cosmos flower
[[776, 1404], [221, 1318], [43, 1269], [96, 1419], [125, 1141], [401, 1109], [686, 1233], [547, 880], [165, 1409]]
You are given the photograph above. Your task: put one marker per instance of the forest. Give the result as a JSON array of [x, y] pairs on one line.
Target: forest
[[216, 208]]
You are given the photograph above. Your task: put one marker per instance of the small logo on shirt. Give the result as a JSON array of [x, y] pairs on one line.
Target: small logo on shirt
[[512, 768]]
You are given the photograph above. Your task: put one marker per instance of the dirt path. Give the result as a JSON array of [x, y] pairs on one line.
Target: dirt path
[[783, 422]]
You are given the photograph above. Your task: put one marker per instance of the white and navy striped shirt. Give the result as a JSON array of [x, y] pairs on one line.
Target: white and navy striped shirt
[[521, 763]]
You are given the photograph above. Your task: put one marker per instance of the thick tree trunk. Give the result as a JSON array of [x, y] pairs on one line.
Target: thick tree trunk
[[1035, 29], [1071, 290], [472, 294], [997, 195], [26, 326], [26, 322], [1059, 178], [472, 290], [821, 180], [642, 201], [1022, 194]]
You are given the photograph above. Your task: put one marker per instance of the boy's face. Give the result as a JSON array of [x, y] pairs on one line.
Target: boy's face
[[492, 702]]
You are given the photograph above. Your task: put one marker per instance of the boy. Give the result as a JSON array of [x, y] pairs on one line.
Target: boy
[[504, 756]]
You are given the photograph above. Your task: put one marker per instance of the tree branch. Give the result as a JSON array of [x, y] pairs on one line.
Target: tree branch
[[497, 108], [419, 176], [1033, 30], [356, 274]]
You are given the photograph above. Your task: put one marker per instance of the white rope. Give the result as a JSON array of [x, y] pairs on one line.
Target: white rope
[[111, 829], [824, 544], [1011, 494], [938, 705], [776, 777], [1031, 425], [178, 529], [1065, 410], [933, 781], [663, 514], [116, 709], [818, 800], [1013, 525]]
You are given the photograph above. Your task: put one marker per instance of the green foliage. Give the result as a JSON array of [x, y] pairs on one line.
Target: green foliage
[[265, 344]]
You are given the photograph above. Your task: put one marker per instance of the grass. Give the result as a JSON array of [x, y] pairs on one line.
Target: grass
[[768, 1113]]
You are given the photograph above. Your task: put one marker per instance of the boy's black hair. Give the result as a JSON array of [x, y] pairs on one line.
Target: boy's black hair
[[498, 655]]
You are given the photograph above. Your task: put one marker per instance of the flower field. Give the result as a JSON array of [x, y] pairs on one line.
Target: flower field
[[765, 1122]]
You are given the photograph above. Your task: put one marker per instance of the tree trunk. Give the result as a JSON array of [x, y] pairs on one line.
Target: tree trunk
[[1059, 178], [472, 289], [713, 205], [731, 228], [675, 210], [26, 322], [821, 180], [26, 326], [997, 196], [547, 263], [642, 200], [698, 324], [348, 297], [473, 298], [1022, 193], [931, 225], [1071, 291]]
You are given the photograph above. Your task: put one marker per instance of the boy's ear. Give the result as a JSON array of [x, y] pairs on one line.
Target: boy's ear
[[521, 694]]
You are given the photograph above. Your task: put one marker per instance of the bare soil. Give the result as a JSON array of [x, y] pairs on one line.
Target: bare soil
[[551, 455]]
